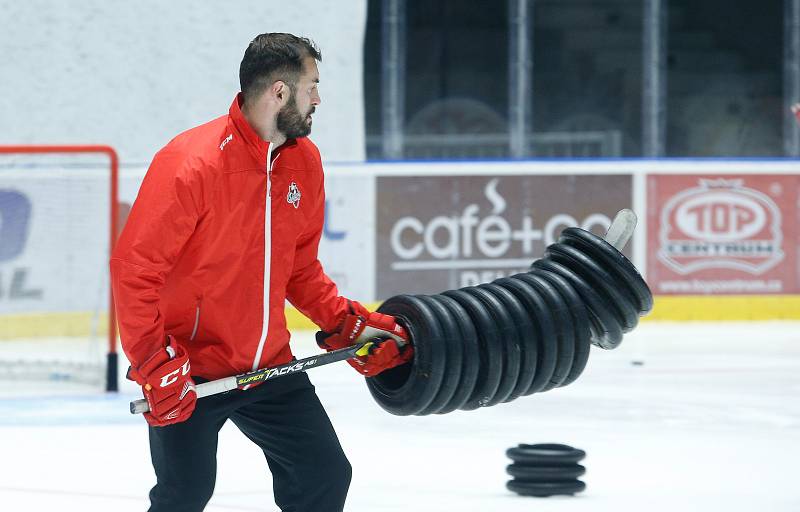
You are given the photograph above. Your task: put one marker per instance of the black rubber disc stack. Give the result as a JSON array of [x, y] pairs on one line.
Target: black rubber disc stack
[[545, 469], [531, 332]]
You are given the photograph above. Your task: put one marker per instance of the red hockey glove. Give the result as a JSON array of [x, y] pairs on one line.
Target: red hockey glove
[[388, 347], [381, 355], [167, 385]]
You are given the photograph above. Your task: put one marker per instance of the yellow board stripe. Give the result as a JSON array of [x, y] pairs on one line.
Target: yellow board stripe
[[296, 321], [667, 308], [36, 325], [674, 308], [725, 307], [43, 325]]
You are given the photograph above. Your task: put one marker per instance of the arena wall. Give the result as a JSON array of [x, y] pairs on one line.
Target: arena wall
[[717, 240]]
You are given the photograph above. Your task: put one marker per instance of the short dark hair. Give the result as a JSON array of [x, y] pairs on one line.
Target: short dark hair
[[271, 57]]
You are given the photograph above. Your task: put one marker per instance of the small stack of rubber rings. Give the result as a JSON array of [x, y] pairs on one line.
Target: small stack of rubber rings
[[545, 469], [528, 333]]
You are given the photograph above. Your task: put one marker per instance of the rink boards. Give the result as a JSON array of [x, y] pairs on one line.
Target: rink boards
[[717, 239]]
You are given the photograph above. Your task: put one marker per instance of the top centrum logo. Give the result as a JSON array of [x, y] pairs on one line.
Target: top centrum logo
[[720, 224]]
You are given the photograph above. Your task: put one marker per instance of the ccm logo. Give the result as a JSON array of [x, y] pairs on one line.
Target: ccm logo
[[171, 377]]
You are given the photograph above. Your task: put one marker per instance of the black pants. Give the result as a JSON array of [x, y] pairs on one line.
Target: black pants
[[284, 418]]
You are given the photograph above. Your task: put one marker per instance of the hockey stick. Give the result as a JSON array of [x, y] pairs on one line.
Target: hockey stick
[[244, 380]]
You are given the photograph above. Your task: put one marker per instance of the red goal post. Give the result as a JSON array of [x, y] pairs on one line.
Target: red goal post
[[111, 363]]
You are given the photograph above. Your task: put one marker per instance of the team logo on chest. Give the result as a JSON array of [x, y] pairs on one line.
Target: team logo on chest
[[293, 197]]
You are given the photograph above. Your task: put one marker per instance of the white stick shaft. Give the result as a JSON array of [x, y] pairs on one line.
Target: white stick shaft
[[621, 229], [213, 387]]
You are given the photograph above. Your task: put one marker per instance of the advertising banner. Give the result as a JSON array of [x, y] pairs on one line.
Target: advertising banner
[[436, 233], [347, 247], [54, 241], [722, 234]]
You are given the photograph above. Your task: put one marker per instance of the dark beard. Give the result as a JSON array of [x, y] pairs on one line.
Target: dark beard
[[291, 122]]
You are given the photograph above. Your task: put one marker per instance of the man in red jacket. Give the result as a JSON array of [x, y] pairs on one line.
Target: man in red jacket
[[224, 230]]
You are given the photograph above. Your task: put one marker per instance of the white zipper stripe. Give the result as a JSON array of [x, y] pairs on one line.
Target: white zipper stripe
[[267, 259], [196, 323]]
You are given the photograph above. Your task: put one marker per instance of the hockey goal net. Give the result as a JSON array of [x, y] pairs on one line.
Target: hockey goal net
[[58, 221]]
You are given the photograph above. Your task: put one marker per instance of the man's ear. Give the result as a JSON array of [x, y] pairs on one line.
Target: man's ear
[[280, 91]]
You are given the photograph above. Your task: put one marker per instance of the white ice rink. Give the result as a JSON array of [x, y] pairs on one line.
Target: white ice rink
[[709, 422]]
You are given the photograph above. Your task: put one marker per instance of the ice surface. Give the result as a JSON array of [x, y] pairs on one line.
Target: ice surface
[[709, 421]]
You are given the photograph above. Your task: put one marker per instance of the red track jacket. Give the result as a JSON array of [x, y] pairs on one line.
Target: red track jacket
[[225, 228]]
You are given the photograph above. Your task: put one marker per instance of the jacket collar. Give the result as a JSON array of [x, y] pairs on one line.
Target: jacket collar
[[255, 143]]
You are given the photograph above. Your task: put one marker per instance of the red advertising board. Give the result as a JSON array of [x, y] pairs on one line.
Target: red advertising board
[[722, 234]]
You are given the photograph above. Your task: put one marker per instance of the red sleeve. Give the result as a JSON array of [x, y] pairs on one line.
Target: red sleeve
[[309, 289], [162, 219]]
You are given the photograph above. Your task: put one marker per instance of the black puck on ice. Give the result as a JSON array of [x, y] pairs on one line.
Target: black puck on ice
[[544, 470]]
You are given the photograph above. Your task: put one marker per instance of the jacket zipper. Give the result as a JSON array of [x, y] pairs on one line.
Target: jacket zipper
[[196, 321], [267, 259]]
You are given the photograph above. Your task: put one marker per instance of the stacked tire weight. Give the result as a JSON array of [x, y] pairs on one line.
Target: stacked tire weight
[[528, 333], [545, 470]]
